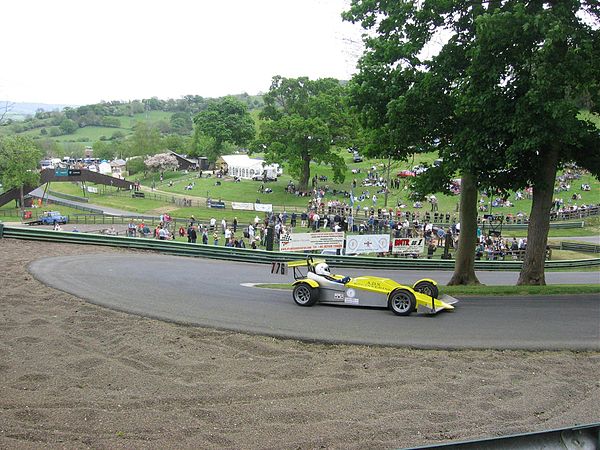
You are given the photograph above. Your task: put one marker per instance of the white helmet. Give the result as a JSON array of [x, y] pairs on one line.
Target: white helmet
[[322, 269]]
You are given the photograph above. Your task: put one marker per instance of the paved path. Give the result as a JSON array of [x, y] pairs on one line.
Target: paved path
[[209, 293], [586, 239], [39, 192]]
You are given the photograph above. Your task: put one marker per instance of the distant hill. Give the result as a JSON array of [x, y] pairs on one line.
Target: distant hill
[[29, 109]]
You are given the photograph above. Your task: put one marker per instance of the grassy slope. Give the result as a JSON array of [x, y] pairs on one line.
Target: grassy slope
[[91, 134], [246, 191]]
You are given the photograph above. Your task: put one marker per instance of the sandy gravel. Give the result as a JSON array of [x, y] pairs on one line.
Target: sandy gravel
[[75, 375]]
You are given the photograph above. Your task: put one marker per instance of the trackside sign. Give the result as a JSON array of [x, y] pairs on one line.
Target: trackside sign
[[297, 242], [408, 246]]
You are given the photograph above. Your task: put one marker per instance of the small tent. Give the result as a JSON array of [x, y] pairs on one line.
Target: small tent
[[104, 168]]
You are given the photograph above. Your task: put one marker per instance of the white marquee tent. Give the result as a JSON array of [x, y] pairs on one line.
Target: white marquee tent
[[244, 167]]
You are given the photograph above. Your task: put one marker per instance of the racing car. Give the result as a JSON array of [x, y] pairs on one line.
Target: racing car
[[317, 284]]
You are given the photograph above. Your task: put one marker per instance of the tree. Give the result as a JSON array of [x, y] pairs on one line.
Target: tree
[[104, 150], [68, 126], [135, 165], [161, 162], [145, 140], [410, 102], [181, 123], [176, 143], [538, 64], [19, 161], [5, 108], [303, 122], [226, 121], [465, 101]]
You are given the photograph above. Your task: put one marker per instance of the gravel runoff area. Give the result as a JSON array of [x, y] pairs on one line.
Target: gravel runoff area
[[75, 375]]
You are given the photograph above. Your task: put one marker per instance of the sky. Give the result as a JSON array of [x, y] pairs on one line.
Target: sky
[[82, 52]]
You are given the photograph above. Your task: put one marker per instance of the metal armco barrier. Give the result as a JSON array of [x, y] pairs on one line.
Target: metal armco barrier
[[576, 437], [263, 256]]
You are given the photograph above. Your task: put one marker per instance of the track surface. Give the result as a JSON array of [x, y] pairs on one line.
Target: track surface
[[209, 293]]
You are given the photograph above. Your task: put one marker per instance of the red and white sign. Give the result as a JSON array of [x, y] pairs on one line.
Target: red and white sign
[[413, 246], [297, 242]]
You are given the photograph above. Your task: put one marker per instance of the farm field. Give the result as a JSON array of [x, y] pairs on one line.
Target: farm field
[[91, 134]]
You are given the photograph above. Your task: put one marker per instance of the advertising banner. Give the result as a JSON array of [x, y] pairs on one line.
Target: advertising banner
[[241, 205], [92, 189], [368, 243], [412, 246], [264, 207], [216, 204], [298, 242]]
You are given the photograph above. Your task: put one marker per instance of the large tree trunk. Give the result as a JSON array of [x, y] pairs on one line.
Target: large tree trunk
[[305, 173], [464, 267], [532, 271]]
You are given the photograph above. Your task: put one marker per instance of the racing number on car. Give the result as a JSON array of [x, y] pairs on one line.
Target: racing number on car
[[278, 268]]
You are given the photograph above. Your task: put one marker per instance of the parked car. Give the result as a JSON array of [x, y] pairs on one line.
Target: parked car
[[49, 218]]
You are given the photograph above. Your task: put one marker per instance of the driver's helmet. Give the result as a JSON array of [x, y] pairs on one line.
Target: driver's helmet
[[322, 269]]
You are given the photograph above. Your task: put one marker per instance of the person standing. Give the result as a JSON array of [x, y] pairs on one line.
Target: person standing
[[191, 234], [216, 238], [205, 237], [235, 224]]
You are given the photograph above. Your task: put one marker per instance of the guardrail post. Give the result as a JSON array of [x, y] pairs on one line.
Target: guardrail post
[[1, 230]]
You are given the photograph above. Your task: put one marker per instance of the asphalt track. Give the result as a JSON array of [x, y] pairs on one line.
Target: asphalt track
[[210, 293]]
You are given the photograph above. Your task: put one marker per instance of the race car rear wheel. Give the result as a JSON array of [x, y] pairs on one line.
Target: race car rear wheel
[[427, 288], [402, 302], [305, 295]]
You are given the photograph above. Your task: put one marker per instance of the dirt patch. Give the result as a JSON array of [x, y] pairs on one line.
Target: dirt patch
[[77, 375]]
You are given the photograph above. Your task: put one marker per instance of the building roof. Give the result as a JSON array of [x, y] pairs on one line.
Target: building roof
[[241, 161]]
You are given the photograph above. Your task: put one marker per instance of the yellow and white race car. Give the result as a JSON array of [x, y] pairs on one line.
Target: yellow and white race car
[[318, 284]]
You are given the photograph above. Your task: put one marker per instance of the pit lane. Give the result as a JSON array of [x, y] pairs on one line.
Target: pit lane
[[210, 293]]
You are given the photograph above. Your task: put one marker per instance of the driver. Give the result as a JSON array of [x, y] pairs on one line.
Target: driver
[[322, 269]]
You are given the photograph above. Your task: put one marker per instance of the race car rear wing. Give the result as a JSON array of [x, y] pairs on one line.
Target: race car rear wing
[[305, 262], [296, 266]]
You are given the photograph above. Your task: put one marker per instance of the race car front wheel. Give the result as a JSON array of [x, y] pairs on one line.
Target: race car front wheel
[[305, 295], [402, 302], [427, 288]]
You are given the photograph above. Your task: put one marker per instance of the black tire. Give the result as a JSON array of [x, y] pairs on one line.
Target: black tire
[[305, 295], [402, 302], [427, 288]]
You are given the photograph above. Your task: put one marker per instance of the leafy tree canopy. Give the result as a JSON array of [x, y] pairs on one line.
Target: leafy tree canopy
[[226, 121], [499, 101], [19, 162], [304, 121]]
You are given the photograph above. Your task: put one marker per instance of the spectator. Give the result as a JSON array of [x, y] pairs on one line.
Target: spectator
[[191, 234]]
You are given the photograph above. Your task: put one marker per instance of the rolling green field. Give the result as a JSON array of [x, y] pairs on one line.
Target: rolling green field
[[91, 134]]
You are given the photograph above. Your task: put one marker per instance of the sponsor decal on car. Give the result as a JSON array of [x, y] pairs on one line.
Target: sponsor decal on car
[[350, 293], [338, 295], [351, 301]]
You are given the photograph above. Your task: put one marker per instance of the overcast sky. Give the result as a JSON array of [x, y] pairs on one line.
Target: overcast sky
[[81, 52]]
